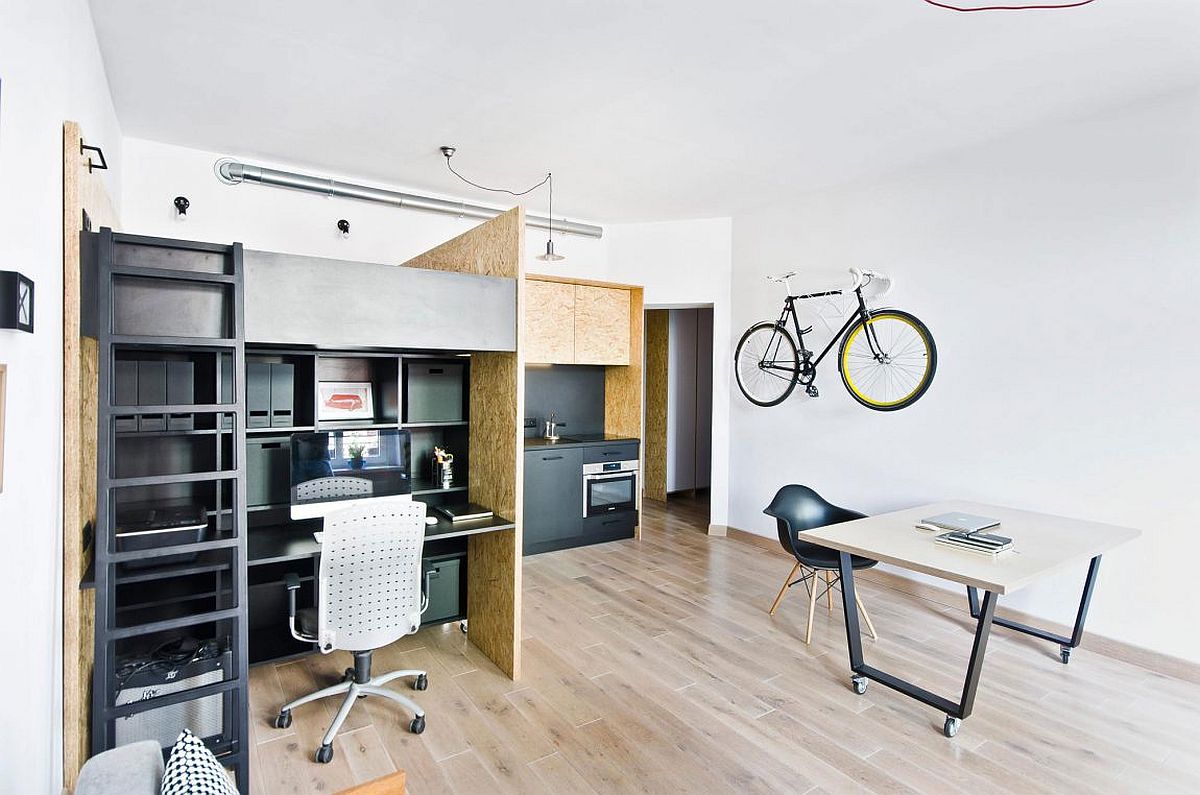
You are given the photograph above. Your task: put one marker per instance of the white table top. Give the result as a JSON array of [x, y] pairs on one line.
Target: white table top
[[1042, 544]]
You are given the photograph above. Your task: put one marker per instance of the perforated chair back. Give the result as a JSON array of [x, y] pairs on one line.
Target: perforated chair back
[[369, 587], [339, 486]]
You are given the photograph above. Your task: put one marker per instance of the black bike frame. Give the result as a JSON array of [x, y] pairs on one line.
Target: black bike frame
[[789, 310]]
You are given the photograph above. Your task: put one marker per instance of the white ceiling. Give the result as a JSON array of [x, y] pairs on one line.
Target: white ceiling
[[644, 110]]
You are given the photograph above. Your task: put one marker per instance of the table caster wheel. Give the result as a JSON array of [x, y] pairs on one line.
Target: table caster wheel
[[325, 754], [1064, 654], [422, 682], [418, 724], [950, 728], [463, 626], [283, 719], [859, 683]]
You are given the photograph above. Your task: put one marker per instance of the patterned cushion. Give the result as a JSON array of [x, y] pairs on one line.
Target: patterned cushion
[[193, 770]]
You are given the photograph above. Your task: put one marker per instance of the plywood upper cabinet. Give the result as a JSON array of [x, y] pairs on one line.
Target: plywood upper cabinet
[[601, 325], [549, 322]]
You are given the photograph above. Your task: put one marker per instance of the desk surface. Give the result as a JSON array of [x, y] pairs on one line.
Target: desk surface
[[1041, 544], [293, 541]]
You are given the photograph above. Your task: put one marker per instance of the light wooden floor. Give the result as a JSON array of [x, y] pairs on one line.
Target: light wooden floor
[[652, 666]]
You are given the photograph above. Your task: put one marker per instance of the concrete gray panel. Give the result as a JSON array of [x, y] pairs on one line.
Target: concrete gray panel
[[313, 301]]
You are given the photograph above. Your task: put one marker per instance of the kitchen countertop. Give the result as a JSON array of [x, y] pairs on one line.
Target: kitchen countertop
[[583, 440]]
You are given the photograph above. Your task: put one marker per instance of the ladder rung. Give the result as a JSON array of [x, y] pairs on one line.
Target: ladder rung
[[175, 408], [191, 694], [173, 274], [177, 549], [186, 477], [179, 622], [154, 341]]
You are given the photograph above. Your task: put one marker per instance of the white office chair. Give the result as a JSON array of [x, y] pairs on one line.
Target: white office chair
[[369, 595]]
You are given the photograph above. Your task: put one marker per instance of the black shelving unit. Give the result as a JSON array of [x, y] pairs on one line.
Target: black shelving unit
[[180, 307]]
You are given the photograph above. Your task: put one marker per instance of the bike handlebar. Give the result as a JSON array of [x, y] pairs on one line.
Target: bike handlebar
[[861, 279]]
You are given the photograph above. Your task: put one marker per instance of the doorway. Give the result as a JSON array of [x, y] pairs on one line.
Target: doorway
[[678, 439]]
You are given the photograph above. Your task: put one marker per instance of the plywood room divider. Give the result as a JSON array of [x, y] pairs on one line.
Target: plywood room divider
[[495, 446]]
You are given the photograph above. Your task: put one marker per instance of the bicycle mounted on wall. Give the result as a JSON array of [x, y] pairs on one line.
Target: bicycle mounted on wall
[[887, 357]]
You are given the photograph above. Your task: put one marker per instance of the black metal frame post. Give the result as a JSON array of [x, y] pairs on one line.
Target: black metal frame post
[[955, 711], [1065, 644]]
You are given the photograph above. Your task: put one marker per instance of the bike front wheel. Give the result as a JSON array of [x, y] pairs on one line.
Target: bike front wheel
[[887, 362], [766, 364]]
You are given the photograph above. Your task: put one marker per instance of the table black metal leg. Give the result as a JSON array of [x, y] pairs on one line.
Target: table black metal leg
[[955, 711], [1065, 644]]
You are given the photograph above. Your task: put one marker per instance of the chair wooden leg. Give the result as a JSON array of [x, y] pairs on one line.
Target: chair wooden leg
[[783, 590], [829, 591], [870, 627], [812, 605]]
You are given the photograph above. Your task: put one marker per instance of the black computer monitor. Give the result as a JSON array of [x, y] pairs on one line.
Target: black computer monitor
[[334, 469]]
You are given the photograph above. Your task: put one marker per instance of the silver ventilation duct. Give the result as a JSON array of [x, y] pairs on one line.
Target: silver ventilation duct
[[231, 172]]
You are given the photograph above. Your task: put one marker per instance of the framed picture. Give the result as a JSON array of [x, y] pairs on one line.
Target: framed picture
[[345, 400]]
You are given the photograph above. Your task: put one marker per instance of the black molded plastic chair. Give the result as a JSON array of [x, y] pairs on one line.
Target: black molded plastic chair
[[796, 509]]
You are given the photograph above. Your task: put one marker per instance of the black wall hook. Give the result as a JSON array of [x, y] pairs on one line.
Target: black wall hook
[[103, 165]]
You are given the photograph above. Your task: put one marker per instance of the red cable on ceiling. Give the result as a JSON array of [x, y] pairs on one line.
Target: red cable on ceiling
[[1008, 8]]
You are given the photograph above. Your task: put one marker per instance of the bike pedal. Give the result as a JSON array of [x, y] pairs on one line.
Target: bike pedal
[[812, 391]]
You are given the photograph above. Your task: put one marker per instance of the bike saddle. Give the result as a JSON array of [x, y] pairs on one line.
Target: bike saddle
[[780, 277]]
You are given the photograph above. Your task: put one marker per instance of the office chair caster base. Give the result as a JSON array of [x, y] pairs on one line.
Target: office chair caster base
[[1064, 654], [418, 724], [859, 683], [283, 719], [348, 676], [422, 683], [325, 754], [950, 727]]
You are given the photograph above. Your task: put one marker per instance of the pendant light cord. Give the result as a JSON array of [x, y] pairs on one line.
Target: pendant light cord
[[550, 177], [496, 190], [950, 7]]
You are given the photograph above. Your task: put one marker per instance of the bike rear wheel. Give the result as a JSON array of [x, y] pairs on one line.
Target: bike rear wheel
[[766, 364], [888, 362]]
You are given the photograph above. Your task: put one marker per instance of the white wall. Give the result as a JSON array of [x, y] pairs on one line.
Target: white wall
[[1057, 270], [680, 263], [50, 71]]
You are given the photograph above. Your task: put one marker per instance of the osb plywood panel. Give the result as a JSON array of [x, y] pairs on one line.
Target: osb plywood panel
[[623, 385], [493, 559], [549, 332], [494, 248], [82, 191], [602, 328], [654, 442], [546, 277]]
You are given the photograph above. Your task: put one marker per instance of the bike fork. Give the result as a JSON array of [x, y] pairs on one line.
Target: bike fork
[[872, 337]]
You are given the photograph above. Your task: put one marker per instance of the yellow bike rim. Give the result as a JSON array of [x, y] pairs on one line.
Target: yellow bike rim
[[905, 373]]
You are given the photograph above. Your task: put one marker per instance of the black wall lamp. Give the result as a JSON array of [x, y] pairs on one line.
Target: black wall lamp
[[344, 227], [181, 207], [16, 301]]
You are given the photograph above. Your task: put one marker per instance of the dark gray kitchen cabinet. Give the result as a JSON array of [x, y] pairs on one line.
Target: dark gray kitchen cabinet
[[553, 499]]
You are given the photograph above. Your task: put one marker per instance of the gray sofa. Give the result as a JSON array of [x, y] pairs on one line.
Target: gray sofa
[[134, 769]]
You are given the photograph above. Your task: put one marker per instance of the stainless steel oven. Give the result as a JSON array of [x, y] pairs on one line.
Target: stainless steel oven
[[609, 486]]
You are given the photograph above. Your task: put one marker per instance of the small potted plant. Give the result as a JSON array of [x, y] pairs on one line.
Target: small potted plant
[[355, 452]]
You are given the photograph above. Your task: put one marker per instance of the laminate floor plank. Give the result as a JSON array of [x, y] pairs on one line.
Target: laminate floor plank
[[652, 666]]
